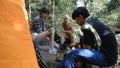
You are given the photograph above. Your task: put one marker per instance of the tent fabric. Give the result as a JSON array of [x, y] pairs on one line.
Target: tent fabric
[[16, 47]]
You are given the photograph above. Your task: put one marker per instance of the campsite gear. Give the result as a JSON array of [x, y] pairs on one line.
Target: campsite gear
[[41, 61], [16, 46]]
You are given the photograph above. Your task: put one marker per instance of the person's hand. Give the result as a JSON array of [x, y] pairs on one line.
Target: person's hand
[[72, 45], [68, 32], [63, 31], [49, 30]]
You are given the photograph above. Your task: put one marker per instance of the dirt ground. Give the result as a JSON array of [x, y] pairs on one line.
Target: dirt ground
[[49, 58]]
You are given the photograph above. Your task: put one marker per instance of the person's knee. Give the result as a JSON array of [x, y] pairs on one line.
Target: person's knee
[[75, 52], [34, 35], [82, 52], [47, 33]]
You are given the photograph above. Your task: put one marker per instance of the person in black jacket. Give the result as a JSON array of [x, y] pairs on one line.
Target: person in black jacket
[[99, 43]]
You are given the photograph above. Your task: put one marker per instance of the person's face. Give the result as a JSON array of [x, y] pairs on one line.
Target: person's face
[[43, 15], [66, 20], [79, 20]]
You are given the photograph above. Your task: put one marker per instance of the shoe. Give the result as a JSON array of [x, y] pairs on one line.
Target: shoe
[[53, 51]]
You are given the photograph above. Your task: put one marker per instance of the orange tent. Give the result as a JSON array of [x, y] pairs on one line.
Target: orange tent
[[16, 47]]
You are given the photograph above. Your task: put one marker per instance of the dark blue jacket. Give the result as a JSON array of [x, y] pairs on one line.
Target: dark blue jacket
[[109, 44]]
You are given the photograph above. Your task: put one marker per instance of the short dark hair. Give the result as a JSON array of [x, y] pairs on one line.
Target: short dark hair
[[80, 11], [44, 10]]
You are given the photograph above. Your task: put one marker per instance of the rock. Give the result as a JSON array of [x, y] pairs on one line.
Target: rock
[[49, 58]]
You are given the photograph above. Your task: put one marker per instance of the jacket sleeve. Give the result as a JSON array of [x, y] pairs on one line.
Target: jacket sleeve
[[89, 38]]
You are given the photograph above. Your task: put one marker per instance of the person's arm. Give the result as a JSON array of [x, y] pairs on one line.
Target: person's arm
[[72, 35], [74, 44], [35, 25], [68, 31], [88, 38], [65, 31], [71, 29]]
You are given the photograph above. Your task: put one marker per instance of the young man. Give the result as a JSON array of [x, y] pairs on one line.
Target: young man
[[67, 30], [67, 38], [99, 43], [39, 32]]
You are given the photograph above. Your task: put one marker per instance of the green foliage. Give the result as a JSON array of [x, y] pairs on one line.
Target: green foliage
[[107, 11], [63, 8]]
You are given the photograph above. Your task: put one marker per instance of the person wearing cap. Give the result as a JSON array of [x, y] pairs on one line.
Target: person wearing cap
[[99, 43], [40, 33]]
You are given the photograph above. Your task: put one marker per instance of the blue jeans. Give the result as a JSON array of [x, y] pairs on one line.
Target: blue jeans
[[83, 55]]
